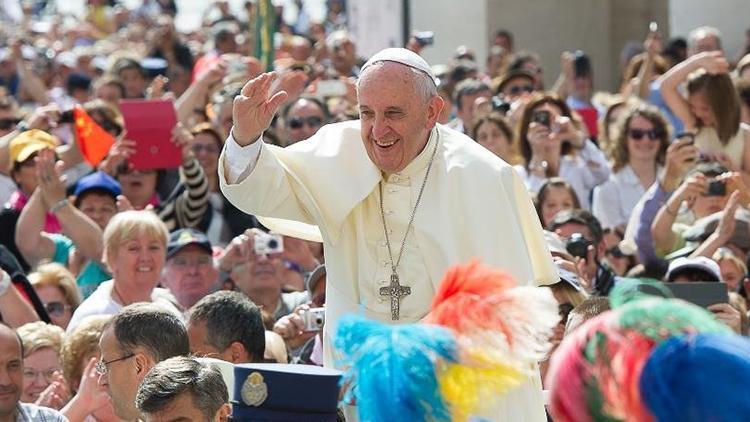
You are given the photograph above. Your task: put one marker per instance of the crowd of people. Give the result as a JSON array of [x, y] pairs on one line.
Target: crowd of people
[[650, 181]]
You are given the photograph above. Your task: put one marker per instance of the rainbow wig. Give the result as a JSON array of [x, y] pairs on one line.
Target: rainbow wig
[[595, 374], [502, 331]]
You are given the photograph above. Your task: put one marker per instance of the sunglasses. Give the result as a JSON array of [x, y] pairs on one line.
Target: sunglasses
[[56, 308], [211, 149], [638, 134], [518, 89], [615, 252], [298, 122], [6, 124]]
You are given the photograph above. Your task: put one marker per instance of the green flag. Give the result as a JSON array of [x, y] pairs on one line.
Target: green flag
[[265, 28]]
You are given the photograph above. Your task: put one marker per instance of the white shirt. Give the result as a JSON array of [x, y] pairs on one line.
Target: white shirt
[[615, 200], [101, 303]]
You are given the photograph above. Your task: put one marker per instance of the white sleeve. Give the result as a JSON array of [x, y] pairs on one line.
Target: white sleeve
[[239, 160]]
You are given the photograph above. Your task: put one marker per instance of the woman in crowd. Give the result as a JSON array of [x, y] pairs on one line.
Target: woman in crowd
[[56, 288], [493, 132], [711, 110], [552, 144], [554, 195], [43, 382], [638, 154], [83, 220], [185, 205], [80, 352], [618, 261], [733, 270], [135, 244]]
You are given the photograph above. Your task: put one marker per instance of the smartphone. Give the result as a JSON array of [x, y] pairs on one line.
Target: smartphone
[[543, 117], [687, 138], [331, 88]]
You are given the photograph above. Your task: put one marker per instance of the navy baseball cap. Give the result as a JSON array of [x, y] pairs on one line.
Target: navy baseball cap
[[99, 181], [181, 238], [283, 392]]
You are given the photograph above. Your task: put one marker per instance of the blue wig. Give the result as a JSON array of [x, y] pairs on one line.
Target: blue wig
[[392, 370], [700, 377]]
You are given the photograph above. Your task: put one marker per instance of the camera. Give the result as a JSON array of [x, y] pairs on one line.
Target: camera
[[543, 117], [425, 38], [500, 105], [314, 319], [577, 245], [267, 243], [66, 117], [716, 188]]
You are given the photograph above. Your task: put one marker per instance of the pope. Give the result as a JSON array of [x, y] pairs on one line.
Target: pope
[[396, 198]]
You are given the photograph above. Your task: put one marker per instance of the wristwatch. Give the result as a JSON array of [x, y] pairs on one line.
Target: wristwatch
[[540, 166]]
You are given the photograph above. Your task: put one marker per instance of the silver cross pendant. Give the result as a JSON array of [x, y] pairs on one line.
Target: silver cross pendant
[[395, 292]]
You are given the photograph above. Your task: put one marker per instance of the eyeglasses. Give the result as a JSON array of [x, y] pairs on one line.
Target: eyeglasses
[[6, 124], [638, 134], [56, 308], [211, 149], [31, 373], [298, 122], [201, 261], [101, 366], [518, 89]]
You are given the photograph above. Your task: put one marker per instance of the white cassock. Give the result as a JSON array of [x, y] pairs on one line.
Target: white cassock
[[474, 205]]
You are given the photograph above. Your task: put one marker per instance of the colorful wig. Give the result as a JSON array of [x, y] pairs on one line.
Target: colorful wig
[[596, 373]]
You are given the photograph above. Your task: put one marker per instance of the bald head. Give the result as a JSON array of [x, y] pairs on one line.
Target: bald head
[[11, 371]]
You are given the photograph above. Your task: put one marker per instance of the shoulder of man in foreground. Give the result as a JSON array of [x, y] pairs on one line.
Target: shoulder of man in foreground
[[32, 412]]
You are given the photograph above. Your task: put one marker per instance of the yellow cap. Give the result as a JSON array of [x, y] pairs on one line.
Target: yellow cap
[[29, 142]]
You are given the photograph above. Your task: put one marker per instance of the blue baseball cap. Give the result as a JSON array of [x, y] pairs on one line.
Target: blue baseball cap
[[283, 392], [100, 181]]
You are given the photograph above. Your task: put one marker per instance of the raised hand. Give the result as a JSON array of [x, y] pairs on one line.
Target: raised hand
[[714, 62], [254, 108], [51, 184]]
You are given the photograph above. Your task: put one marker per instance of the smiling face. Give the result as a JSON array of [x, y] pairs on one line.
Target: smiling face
[[490, 136], [139, 186], [556, 200], [701, 109], [395, 118], [641, 146], [38, 369], [138, 261], [98, 207]]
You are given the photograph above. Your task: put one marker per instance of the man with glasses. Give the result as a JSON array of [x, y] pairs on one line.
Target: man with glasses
[[132, 343], [515, 84], [189, 273]]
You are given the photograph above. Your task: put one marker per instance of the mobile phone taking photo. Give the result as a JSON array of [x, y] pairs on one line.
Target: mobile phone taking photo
[[543, 117]]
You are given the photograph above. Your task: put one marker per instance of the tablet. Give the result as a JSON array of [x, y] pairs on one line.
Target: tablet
[[149, 123], [701, 293]]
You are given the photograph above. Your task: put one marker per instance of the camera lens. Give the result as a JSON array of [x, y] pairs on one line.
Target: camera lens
[[272, 243], [319, 321]]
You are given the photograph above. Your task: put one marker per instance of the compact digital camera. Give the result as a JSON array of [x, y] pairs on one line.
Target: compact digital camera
[[267, 243], [314, 319]]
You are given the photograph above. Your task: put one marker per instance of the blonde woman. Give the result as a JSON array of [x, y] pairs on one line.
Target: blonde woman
[[43, 383], [135, 245], [56, 288]]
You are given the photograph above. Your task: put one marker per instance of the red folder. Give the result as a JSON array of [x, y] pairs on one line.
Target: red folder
[[149, 123]]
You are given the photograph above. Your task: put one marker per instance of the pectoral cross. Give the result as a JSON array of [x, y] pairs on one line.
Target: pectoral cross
[[395, 292]]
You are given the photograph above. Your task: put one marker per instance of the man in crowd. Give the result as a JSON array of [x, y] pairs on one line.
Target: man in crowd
[[189, 272], [183, 389], [135, 340], [386, 252], [228, 326], [11, 384], [467, 91]]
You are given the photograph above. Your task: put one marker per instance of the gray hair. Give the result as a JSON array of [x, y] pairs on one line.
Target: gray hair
[[230, 317], [703, 32], [423, 83], [151, 327], [179, 375]]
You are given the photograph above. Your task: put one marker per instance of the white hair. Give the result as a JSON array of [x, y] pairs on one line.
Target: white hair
[[423, 83], [703, 32]]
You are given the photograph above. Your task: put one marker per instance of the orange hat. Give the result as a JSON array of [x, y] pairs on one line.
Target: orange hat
[[29, 142]]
